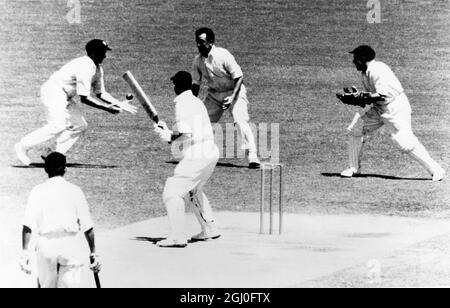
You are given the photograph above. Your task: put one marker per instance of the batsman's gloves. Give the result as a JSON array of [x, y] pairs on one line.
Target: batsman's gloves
[[25, 264], [95, 263], [165, 134], [354, 97]]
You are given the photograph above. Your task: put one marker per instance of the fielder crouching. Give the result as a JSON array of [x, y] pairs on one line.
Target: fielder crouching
[[199, 158], [56, 212]]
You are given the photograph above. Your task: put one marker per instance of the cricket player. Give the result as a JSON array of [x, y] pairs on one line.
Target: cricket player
[[226, 90], [80, 77], [390, 108], [199, 157], [57, 211]]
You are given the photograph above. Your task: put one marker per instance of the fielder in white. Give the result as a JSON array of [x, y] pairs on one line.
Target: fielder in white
[[57, 211], [391, 109], [199, 157], [226, 90], [81, 77]]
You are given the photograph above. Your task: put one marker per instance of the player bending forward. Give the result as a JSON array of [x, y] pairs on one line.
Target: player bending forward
[[390, 107], [80, 77], [56, 212], [225, 88], [200, 156]]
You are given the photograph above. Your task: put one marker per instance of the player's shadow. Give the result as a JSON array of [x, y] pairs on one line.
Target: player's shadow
[[219, 164], [76, 166], [376, 176], [155, 240]]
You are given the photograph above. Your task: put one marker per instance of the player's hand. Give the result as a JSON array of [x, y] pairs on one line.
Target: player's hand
[[165, 134], [162, 125], [95, 263], [126, 106], [24, 262], [227, 102]]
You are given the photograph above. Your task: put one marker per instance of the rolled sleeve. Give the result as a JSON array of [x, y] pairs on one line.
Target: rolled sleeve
[[233, 68], [30, 218], [84, 82], [84, 216], [182, 120]]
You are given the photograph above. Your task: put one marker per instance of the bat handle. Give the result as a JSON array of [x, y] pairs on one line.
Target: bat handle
[[97, 281], [156, 119]]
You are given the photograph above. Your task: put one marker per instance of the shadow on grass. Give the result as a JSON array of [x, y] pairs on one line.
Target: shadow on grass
[[378, 176], [79, 166], [219, 164], [155, 240]]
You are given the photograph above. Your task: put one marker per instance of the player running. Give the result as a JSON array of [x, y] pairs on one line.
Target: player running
[[200, 156], [225, 88], [390, 108], [65, 122]]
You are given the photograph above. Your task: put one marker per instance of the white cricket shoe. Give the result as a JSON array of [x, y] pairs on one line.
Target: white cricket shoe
[[172, 243], [22, 154], [438, 175], [350, 172], [206, 236], [253, 160]]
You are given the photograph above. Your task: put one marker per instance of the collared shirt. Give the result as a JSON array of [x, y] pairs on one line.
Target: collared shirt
[[80, 77], [379, 78], [220, 70], [57, 206], [193, 121]]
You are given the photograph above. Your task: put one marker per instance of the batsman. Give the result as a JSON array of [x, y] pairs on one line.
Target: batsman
[[389, 107]]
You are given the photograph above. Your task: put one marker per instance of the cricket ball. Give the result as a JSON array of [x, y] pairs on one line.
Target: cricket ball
[[129, 96]]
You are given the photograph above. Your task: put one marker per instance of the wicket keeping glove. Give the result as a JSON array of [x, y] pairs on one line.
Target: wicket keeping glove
[[354, 97]]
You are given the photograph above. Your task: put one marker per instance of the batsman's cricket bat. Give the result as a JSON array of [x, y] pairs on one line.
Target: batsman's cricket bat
[[97, 280], [141, 96]]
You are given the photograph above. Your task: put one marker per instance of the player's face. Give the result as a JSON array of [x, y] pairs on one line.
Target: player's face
[[204, 47], [99, 57], [360, 63]]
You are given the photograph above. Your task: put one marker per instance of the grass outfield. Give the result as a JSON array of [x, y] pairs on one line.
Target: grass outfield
[[294, 57]]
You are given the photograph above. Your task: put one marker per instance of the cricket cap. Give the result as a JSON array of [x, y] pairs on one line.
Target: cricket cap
[[364, 51], [55, 162], [182, 77], [96, 46]]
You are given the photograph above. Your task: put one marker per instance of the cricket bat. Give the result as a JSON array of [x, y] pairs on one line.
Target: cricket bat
[[97, 281], [141, 96]]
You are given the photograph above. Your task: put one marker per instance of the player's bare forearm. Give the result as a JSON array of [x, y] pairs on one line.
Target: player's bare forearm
[[98, 104], [237, 86], [195, 89], [26, 237], [90, 238]]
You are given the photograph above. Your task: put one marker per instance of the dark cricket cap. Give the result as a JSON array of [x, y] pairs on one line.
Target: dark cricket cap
[[364, 51], [55, 162], [182, 77], [97, 45]]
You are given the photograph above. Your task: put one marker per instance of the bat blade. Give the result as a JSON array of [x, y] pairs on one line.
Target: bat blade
[[141, 96]]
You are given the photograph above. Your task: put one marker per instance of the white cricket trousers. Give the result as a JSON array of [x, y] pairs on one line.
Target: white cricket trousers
[[214, 102], [186, 185], [59, 260], [396, 117], [64, 120]]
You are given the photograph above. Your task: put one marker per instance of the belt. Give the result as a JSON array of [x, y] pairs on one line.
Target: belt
[[59, 234]]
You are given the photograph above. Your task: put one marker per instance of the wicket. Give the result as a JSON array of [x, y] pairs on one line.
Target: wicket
[[271, 167]]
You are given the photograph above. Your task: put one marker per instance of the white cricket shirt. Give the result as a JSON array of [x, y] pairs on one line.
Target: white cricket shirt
[[80, 77], [219, 70], [57, 206], [193, 121], [379, 78]]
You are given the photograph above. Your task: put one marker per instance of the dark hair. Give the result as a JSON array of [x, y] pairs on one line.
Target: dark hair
[[210, 37], [182, 80]]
